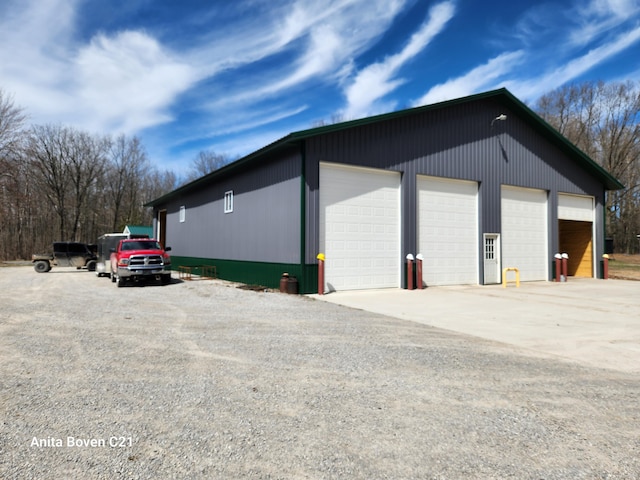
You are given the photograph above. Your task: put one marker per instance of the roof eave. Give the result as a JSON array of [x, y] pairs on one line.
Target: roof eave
[[608, 180], [220, 172]]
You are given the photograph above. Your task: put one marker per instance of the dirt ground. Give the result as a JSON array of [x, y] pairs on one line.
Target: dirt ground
[[624, 267]]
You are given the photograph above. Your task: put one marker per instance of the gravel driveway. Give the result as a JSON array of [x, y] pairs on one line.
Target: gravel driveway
[[204, 380]]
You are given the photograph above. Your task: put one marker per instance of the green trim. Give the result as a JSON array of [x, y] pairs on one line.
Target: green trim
[[501, 95], [255, 273]]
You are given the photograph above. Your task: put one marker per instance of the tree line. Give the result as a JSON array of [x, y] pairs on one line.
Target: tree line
[[603, 120], [60, 183]]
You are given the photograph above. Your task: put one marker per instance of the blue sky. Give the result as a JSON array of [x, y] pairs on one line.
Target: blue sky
[[234, 76]]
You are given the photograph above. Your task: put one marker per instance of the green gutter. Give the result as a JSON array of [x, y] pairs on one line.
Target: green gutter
[[501, 96]]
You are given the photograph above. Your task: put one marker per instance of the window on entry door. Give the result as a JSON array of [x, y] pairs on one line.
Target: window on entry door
[[489, 248]]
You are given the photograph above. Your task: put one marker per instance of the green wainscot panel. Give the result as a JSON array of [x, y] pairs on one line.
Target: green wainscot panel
[[254, 273]]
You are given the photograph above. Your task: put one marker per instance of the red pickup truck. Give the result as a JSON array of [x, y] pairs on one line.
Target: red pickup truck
[[140, 259]]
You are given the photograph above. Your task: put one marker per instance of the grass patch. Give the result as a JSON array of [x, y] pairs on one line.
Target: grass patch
[[624, 266], [15, 263]]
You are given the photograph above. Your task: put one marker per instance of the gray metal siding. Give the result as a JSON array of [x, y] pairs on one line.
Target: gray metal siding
[[454, 142], [458, 142], [263, 227]]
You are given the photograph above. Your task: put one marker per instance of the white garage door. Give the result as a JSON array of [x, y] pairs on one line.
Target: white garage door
[[448, 230], [524, 232], [575, 207], [360, 227]]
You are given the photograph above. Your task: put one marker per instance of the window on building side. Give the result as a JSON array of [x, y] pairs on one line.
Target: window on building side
[[183, 213], [228, 201]]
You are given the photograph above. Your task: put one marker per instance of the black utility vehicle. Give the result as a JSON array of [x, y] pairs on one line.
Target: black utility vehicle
[[66, 254]]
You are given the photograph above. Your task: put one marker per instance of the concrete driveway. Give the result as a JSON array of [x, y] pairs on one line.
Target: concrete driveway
[[590, 321]]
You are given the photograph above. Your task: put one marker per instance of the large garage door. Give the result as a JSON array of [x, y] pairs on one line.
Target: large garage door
[[575, 229], [360, 227], [448, 230], [524, 232]]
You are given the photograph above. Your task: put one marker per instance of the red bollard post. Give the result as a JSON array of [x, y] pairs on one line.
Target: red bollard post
[[605, 259], [409, 272], [558, 258], [321, 259], [565, 266], [419, 259]]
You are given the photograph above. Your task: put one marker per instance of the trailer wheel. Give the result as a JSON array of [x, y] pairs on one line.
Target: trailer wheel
[[91, 266], [41, 266]]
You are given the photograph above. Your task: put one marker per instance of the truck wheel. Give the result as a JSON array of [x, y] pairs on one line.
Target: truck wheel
[[166, 279], [112, 276], [41, 266], [120, 282]]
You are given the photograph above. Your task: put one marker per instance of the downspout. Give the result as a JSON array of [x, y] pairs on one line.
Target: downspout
[[303, 216], [600, 273]]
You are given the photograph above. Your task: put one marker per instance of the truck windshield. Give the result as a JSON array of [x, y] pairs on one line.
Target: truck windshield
[[141, 245]]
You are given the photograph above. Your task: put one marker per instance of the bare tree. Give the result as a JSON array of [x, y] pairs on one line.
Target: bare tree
[[158, 183], [335, 118], [68, 164], [128, 166], [11, 134], [87, 161], [12, 120], [604, 121], [206, 162], [47, 151], [58, 183]]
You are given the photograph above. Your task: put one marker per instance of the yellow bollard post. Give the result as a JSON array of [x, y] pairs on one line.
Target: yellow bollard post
[[504, 276], [321, 258]]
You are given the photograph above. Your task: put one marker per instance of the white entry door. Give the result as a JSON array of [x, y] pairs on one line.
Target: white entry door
[[491, 258]]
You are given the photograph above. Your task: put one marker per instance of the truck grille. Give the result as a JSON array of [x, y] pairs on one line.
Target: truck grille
[[145, 260]]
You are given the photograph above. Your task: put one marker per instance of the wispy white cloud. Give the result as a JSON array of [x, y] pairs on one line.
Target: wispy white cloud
[[532, 87], [233, 123], [323, 38], [34, 37], [224, 69], [130, 80], [483, 77], [124, 82], [530, 71], [596, 17], [377, 80]]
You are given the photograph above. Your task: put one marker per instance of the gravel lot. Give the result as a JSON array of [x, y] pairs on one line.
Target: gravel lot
[[201, 379]]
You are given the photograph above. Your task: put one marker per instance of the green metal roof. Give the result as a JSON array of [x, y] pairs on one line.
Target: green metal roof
[[501, 95], [139, 230]]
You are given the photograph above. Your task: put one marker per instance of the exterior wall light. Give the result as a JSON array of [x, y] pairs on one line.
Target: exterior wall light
[[502, 117]]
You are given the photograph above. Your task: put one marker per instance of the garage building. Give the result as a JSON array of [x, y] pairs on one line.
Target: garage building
[[475, 185]]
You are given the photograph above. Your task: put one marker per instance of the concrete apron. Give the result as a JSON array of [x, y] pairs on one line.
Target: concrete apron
[[590, 321]]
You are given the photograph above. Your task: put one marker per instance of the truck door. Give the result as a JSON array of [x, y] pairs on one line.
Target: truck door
[[61, 254]]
